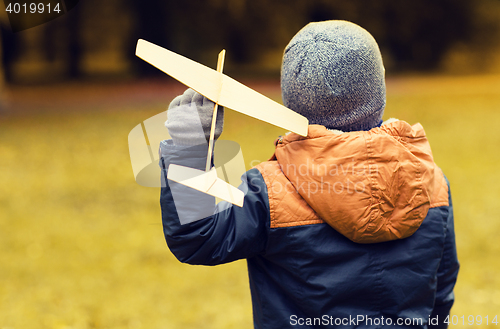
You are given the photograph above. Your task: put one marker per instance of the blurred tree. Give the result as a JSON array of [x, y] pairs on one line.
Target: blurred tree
[[418, 33], [151, 22], [480, 50], [2, 77], [73, 19], [413, 35], [5, 48], [104, 30]]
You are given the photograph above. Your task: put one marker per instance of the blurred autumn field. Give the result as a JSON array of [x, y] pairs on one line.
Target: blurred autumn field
[[82, 244]]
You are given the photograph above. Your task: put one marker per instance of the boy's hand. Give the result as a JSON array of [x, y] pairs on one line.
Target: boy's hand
[[189, 118]]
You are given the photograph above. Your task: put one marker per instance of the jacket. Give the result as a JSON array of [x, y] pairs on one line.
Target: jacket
[[338, 229]]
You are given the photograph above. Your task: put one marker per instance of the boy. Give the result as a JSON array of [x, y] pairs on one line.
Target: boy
[[350, 226]]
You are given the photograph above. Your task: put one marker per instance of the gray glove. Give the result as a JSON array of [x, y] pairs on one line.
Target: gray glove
[[189, 118]]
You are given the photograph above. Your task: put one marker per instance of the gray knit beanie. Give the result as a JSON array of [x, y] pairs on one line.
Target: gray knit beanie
[[332, 73]]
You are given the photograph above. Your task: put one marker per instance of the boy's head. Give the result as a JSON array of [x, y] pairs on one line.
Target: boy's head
[[332, 73]]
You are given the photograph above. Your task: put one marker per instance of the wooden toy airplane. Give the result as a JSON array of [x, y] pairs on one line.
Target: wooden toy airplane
[[224, 91]]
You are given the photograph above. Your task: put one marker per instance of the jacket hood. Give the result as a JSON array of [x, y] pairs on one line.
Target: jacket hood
[[371, 186]]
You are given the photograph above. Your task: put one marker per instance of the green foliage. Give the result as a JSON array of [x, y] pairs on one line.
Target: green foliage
[[97, 39]]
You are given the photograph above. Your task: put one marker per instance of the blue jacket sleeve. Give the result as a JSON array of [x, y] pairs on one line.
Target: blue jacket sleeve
[[214, 234], [447, 273]]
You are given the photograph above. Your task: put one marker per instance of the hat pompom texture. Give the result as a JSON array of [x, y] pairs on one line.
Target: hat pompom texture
[[332, 73]]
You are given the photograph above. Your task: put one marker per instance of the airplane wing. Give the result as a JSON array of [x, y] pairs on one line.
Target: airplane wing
[[221, 89], [206, 182]]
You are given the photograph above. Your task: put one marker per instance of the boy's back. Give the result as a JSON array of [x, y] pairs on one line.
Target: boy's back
[[350, 227]]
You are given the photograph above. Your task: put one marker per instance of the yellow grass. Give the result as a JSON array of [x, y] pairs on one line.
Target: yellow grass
[[82, 245]]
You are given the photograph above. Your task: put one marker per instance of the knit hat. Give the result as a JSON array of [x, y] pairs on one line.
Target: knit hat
[[332, 73]]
